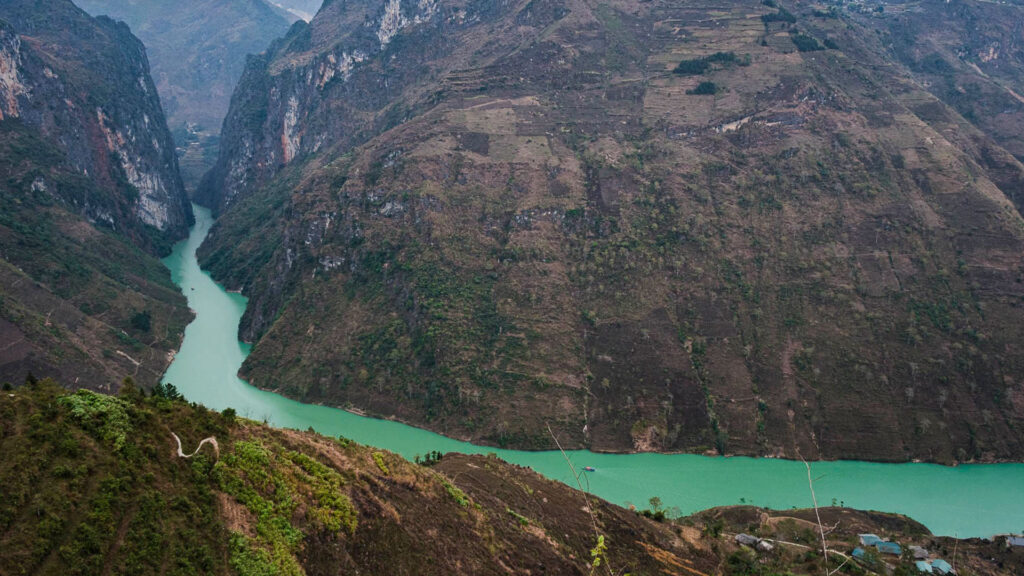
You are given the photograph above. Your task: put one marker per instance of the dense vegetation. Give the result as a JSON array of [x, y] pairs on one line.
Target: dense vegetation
[[92, 485]]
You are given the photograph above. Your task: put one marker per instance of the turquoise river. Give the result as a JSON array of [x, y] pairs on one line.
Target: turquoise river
[[967, 500]]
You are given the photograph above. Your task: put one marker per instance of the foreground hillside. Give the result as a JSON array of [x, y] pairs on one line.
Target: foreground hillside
[[89, 196], [197, 50], [724, 225], [94, 484]]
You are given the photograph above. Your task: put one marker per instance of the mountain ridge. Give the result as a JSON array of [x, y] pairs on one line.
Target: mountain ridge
[[90, 197], [505, 215], [197, 51]]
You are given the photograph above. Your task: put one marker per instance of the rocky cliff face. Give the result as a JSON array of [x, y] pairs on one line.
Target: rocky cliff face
[[311, 90], [197, 50], [90, 195], [84, 84], [653, 226]]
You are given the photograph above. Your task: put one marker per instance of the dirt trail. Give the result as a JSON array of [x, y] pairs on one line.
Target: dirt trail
[[211, 440]]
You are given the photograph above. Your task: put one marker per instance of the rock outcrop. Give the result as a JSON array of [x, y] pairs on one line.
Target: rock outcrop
[[90, 196], [84, 85], [197, 50]]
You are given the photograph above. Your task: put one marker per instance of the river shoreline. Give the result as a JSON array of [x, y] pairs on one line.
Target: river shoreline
[[363, 413], [967, 499]]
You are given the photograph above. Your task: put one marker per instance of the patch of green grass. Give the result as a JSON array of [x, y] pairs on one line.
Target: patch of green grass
[[378, 457], [456, 494]]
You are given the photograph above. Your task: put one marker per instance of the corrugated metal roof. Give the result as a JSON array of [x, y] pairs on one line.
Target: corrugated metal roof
[[889, 548], [869, 539]]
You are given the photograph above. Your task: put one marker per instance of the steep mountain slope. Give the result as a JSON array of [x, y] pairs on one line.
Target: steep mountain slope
[[654, 225], [969, 55], [281, 502], [90, 193], [197, 50], [95, 484]]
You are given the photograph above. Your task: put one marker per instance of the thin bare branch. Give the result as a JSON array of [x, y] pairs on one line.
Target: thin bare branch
[[817, 515], [586, 493]]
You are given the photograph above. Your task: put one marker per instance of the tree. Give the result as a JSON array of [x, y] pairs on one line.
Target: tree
[[704, 89], [129, 389], [142, 321]]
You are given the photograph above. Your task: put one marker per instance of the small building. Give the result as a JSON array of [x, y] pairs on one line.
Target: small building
[[1015, 540], [919, 553], [942, 567], [859, 554], [747, 540], [765, 546], [889, 548], [923, 567], [869, 539]]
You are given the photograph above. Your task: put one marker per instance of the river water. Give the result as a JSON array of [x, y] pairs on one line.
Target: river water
[[967, 500]]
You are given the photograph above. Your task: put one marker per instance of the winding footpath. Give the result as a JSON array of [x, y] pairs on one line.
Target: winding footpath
[[211, 440]]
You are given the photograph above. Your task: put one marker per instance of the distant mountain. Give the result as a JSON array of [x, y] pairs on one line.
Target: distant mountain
[[738, 227], [304, 9], [197, 50], [90, 195]]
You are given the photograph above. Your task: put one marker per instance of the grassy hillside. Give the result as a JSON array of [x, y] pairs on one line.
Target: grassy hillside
[[93, 484], [730, 227]]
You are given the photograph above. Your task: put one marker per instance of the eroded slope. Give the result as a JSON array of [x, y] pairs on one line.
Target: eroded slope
[[655, 226]]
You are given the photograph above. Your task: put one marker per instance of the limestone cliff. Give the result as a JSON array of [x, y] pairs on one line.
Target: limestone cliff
[[89, 196]]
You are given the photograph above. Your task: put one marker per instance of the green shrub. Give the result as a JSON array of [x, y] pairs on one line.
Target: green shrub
[[458, 495], [694, 67], [704, 89], [107, 416], [805, 43], [142, 321], [523, 520], [698, 66], [782, 15], [378, 457]]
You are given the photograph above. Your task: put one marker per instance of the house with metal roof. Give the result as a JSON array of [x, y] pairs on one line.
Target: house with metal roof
[[747, 539], [1015, 540], [889, 548], [923, 567], [869, 539], [919, 553], [942, 567]]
